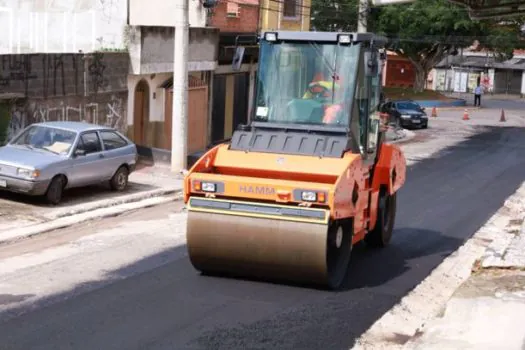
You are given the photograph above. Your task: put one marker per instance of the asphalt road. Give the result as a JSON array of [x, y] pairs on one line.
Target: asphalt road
[[445, 200]]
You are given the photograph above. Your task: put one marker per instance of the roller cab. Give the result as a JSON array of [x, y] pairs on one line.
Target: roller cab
[[309, 177]]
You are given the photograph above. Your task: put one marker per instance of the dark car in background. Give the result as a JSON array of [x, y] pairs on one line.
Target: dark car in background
[[405, 113]]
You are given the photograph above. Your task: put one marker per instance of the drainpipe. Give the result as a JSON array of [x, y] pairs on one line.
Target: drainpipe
[[179, 125], [86, 59]]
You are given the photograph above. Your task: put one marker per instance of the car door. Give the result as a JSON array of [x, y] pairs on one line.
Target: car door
[[87, 160], [394, 113], [115, 151]]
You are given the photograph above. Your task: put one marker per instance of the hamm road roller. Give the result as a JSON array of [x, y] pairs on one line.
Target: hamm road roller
[[289, 194]]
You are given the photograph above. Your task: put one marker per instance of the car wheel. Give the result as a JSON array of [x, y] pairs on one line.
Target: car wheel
[[119, 181], [55, 190], [424, 126]]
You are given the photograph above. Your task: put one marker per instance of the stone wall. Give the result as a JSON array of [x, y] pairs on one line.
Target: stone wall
[[74, 87]]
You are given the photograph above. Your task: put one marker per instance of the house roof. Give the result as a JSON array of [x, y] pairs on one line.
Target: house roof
[[481, 62]]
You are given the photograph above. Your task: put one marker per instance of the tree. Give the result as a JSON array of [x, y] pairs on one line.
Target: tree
[[425, 31], [334, 15]]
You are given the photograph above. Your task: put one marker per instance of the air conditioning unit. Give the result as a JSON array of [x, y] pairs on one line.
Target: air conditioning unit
[[232, 10]]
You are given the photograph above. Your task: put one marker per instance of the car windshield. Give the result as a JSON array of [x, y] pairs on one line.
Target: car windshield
[[46, 138], [306, 83], [408, 105]]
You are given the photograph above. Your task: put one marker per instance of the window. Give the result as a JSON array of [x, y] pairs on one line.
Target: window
[[112, 140], [306, 83], [46, 138], [290, 8], [89, 143]]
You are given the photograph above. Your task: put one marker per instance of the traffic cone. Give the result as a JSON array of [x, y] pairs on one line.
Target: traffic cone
[[434, 112], [502, 117], [465, 115]]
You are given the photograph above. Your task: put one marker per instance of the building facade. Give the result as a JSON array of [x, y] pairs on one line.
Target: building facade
[[150, 96], [398, 71], [239, 23], [62, 60], [463, 72]]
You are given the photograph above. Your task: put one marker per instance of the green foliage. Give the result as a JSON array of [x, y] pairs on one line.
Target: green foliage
[[425, 31], [4, 122], [330, 15], [428, 30]]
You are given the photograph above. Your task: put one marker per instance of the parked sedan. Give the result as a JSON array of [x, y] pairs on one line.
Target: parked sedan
[[406, 113], [47, 158]]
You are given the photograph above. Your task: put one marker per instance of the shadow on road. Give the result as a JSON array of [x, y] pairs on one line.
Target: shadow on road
[[374, 267], [446, 199]]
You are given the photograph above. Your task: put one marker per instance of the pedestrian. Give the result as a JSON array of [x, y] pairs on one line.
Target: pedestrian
[[477, 95]]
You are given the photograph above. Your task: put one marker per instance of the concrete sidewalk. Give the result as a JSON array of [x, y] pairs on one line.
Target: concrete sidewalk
[[24, 217], [488, 310]]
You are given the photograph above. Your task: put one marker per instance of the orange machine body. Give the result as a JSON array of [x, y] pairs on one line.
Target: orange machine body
[[343, 185]]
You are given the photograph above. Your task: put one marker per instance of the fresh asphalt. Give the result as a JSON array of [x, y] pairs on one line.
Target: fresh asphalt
[[445, 200]]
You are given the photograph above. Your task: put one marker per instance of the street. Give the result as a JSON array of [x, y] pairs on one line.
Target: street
[[126, 282]]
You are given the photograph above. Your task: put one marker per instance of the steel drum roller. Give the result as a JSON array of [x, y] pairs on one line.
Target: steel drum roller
[[264, 247]]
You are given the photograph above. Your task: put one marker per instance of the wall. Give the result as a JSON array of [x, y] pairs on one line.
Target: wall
[[160, 13], [151, 49], [65, 87], [245, 22], [522, 83], [399, 72], [61, 26], [272, 17], [507, 81]]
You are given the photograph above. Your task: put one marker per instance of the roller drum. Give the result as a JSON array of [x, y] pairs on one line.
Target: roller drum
[[268, 248]]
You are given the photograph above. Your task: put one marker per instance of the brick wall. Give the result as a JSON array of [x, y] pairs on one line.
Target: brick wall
[[74, 87], [246, 22], [399, 72]]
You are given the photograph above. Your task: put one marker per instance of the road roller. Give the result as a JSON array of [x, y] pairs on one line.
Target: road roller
[[289, 195]]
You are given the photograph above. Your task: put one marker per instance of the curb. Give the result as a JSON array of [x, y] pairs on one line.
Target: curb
[[106, 203], [428, 299], [77, 218], [449, 103], [499, 254], [470, 108]]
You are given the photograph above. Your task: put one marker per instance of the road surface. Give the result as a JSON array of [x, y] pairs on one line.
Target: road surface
[[160, 302]]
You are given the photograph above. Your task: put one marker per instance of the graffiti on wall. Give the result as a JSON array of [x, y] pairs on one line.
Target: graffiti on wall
[[53, 75], [16, 122], [110, 113], [16, 69], [96, 72], [68, 87]]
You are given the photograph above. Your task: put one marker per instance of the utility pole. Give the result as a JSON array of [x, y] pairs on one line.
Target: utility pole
[[362, 16], [179, 124]]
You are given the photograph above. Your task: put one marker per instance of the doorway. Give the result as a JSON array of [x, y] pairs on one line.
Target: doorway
[[197, 113]]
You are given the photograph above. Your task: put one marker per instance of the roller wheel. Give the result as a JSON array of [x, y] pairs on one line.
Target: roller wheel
[[339, 249], [381, 235]]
